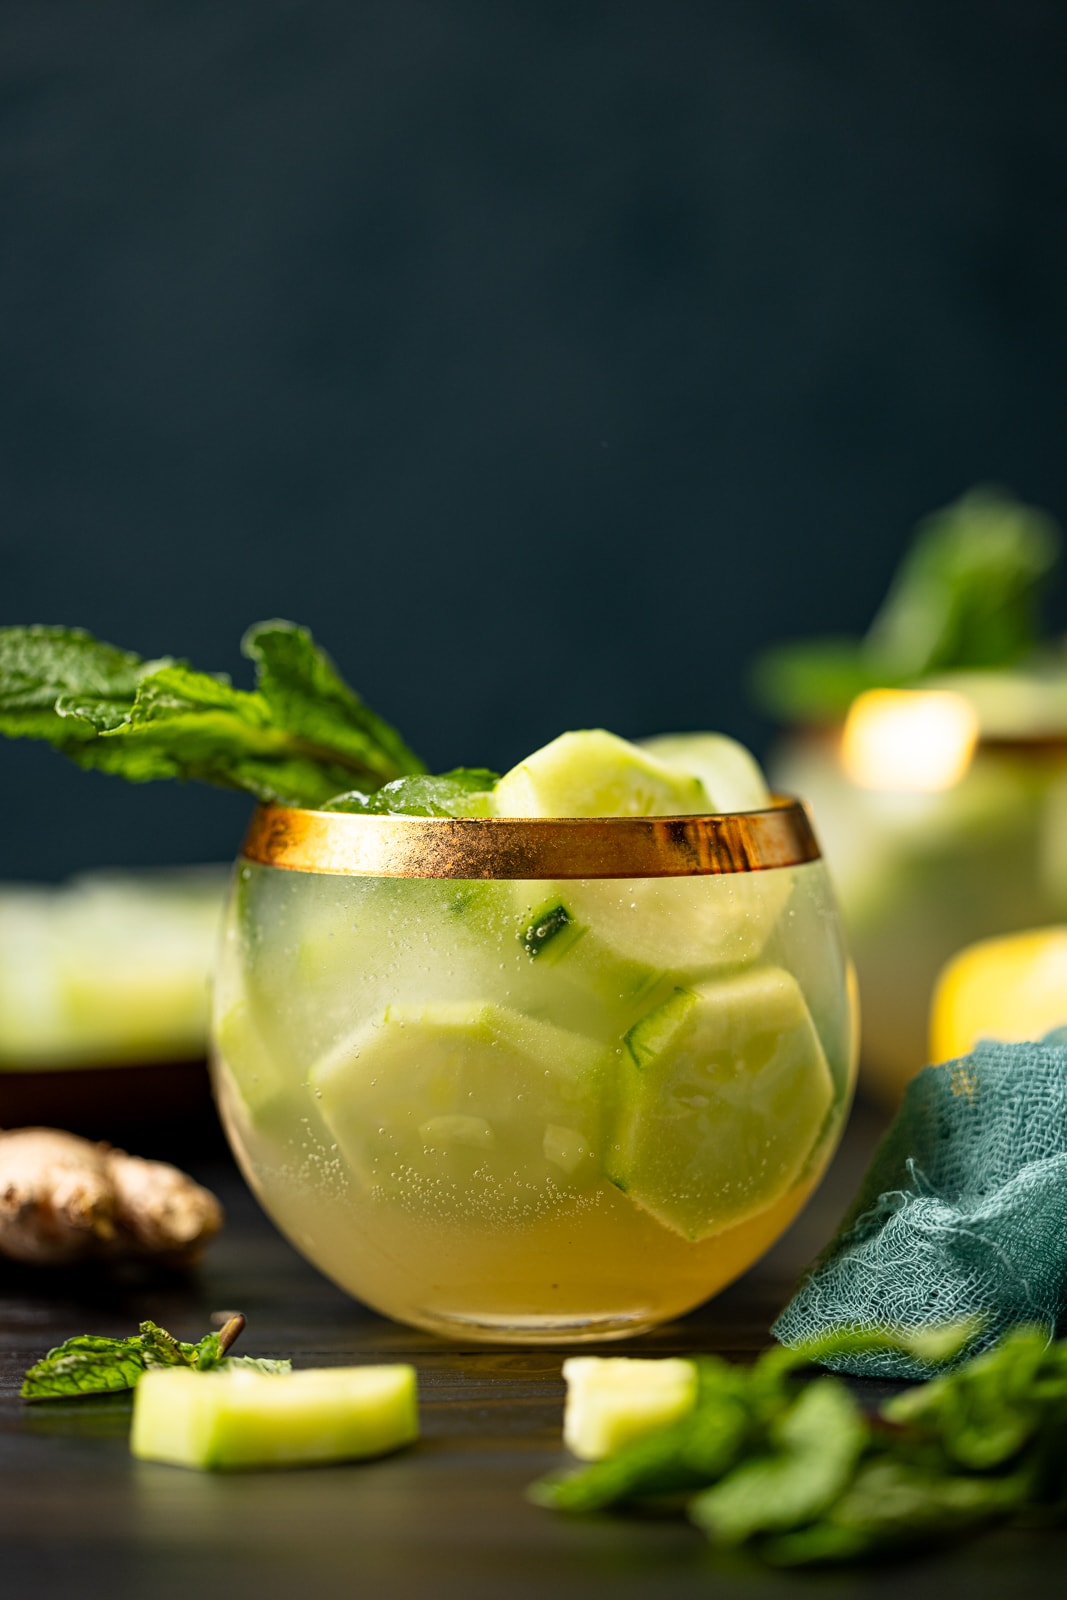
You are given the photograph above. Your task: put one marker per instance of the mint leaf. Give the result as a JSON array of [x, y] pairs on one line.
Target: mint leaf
[[464, 792], [935, 1347], [964, 597], [966, 593], [40, 665], [299, 738], [258, 1364], [815, 680], [160, 1348], [690, 1453], [307, 695], [986, 1413], [804, 1477], [85, 1365], [89, 1364], [894, 1506], [190, 725], [813, 1452]]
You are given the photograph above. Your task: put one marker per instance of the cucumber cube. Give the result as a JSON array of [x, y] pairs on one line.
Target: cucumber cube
[[234, 1417], [597, 774], [685, 925], [556, 939], [613, 1400], [724, 1090], [731, 776], [466, 1109], [253, 1070]]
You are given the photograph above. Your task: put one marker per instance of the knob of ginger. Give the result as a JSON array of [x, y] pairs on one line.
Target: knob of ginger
[[65, 1200]]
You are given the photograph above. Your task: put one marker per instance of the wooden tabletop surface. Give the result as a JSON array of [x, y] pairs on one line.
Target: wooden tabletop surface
[[80, 1518]]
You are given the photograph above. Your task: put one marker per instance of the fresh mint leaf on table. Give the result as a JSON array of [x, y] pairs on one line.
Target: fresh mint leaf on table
[[801, 1475], [86, 1365], [89, 1364], [964, 597], [299, 738]]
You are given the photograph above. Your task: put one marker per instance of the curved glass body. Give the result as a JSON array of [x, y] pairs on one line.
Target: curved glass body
[[922, 874], [531, 1108]]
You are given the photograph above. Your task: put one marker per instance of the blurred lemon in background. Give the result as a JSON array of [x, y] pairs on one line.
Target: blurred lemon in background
[[1012, 988]]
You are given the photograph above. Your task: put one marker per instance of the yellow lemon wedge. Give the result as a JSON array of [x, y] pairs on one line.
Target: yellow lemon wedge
[[1010, 988]]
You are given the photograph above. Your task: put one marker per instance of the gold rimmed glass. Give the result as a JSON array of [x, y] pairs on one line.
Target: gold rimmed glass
[[533, 1080], [938, 834]]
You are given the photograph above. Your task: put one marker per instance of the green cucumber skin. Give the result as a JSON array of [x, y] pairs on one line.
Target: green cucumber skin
[[208, 1422], [547, 932], [663, 1166], [649, 1038]]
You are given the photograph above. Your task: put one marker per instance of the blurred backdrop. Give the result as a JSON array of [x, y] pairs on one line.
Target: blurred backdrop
[[546, 359]]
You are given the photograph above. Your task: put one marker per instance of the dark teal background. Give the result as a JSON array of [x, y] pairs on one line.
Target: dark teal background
[[546, 359]]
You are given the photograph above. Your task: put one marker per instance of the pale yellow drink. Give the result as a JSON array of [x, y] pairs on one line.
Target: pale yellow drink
[[533, 1110]]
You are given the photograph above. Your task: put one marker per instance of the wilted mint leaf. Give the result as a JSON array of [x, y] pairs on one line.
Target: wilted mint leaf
[[984, 1414], [89, 1364], [895, 1505]]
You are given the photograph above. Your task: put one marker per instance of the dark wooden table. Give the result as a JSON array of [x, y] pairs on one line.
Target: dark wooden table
[[80, 1518]]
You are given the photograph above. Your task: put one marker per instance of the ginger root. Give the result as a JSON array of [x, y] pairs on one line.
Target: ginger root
[[65, 1200]]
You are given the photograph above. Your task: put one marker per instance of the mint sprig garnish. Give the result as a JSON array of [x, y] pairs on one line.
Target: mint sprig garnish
[[964, 597], [802, 1475], [301, 736], [90, 1364], [464, 792]]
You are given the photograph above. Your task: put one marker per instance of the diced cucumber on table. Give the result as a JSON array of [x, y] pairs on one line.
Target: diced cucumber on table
[[613, 1400], [237, 1418]]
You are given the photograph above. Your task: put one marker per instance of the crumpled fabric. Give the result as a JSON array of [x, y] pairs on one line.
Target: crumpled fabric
[[962, 1214]]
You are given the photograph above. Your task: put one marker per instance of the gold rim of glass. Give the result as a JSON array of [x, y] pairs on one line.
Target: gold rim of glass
[[524, 847]]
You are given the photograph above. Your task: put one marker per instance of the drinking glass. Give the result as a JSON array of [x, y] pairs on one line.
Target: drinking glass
[[533, 1080], [926, 862]]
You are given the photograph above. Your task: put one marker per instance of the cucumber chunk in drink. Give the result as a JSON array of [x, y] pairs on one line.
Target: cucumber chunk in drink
[[596, 774], [730, 774], [654, 923], [466, 1110], [556, 939], [723, 1093]]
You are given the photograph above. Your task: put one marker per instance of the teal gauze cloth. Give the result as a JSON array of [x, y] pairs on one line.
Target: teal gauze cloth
[[963, 1213]]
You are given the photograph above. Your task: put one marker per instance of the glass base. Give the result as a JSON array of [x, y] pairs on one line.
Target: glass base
[[519, 1329]]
